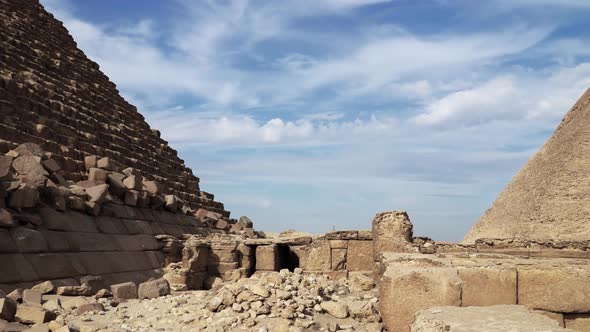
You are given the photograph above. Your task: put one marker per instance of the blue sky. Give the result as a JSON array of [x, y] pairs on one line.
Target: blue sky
[[315, 115]]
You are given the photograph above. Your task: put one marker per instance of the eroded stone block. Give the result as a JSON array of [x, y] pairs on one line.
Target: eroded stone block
[[486, 286]]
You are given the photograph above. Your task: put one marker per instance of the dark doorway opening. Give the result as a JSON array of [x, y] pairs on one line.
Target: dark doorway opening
[[288, 259]]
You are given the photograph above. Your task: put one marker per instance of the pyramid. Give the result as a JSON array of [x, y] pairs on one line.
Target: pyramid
[[549, 198], [51, 94]]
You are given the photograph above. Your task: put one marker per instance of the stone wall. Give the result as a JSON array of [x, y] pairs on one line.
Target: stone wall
[[556, 287], [53, 95]]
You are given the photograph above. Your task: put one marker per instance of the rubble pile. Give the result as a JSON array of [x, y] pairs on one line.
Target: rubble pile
[[275, 301]]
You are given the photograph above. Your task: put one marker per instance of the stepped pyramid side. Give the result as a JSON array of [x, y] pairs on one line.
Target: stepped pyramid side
[[549, 198], [53, 95]]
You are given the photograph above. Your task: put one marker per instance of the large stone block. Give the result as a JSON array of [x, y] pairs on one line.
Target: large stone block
[[67, 221], [154, 288], [267, 258], [499, 318], [7, 246], [558, 289], [16, 268], [25, 196], [124, 291], [52, 266], [319, 257], [577, 322], [218, 269], [486, 286], [28, 314], [392, 231], [360, 256], [56, 241], [408, 286], [111, 225], [91, 242]]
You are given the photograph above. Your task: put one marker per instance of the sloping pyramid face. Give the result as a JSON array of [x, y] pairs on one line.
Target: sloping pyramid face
[[53, 95], [549, 198]]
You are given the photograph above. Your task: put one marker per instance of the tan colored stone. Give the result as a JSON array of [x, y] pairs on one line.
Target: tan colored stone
[[28, 314], [90, 162], [32, 297], [577, 322], [360, 256], [5, 165], [486, 286], [338, 244], [97, 193], [133, 182], [267, 258], [499, 318], [97, 175], [319, 257], [124, 291], [392, 231], [6, 219], [557, 289], [153, 289], [407, 287]]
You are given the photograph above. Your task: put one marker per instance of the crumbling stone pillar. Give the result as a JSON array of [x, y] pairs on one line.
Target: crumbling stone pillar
[[392, 231]]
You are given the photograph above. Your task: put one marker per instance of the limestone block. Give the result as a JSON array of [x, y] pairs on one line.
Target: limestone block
[[152, 187], [25, 196], [267, 258], [124, 291], [338, 260], [18, 269], [7, 246], [558, 317], [111, 225], [51, 165], [90, 162], [52, 266], [360, 256], [486, 286], [30, 170], [154, 288], [406, 289], [131, 197], [67, 221], [235, 228], [224, 255], [7, 308], [97, 175], [97, 193], [116, 185], [94, 306], [32, 297], [5, 165], [171, 203], [221, 224], [577, 322], [133, 182], [557, 289], [497, 318], [338, 244], [245, 222], [218, 269], [27, 314], [28, 240], [392, 231], [6, 219], [106, 163], [318, 257], [91, 242]]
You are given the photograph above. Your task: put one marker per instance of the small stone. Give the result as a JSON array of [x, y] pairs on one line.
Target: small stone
[[51, 165], [83, 290], [335, 309], [259, 290], [31, 296], [16, 295], [45, 287], [214, 304], [97, 175], [5, 165], [103, 293]]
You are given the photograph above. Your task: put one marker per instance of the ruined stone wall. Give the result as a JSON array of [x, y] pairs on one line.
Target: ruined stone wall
[[53, 95]]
